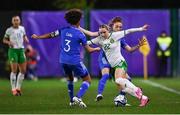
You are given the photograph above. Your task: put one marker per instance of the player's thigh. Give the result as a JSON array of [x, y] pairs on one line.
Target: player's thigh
[[68, 71], [120, 70], [13, 59], [12, 55], [21, 56], [104, 65], [81, 70]]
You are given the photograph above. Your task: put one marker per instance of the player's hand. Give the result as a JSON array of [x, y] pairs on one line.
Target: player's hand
[[26, 40], [11, 44], [98, 49], [145, 27], [142, 41], [35, 36]]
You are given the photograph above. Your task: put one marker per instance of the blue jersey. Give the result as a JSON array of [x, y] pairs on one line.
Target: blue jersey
[[71, 40], [103, 63]]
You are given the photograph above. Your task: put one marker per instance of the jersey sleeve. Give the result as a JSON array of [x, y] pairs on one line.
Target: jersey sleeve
[[7, 34], [55, 33], [24, 32], [123, 43], [118, 35], [83, 39], [94, 41]]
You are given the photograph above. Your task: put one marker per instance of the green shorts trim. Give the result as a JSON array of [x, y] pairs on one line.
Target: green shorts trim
[[122, 65], [16, 55]]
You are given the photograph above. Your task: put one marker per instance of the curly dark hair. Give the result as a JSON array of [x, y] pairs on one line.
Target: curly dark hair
[[114, 20], [73, 16]]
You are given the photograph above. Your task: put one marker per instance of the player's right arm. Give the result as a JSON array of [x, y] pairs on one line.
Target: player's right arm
[[45, 36], [6, 39], [86, 45], [89, 33], [91, 49], [94, 41]]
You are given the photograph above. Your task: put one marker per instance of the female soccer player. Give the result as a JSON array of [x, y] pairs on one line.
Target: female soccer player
[[15, 36], [71, 40], [110, 44], [115, 25]]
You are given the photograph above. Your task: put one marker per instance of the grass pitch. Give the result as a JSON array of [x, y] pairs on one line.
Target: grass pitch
[[49, 96]]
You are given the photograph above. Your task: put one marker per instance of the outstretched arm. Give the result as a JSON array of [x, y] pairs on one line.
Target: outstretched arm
[[48, 35], [89, 33], [130, 49], [90, 49], [121, 34], [143, 28]]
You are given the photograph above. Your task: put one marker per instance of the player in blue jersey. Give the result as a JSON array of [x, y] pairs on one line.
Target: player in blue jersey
[[116, 25], [71, 40]]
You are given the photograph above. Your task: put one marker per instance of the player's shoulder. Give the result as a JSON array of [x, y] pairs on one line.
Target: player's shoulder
[[123, 40], [21, 27], [64, 28], [9, 28]]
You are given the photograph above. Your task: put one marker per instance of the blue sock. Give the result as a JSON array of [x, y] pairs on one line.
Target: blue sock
[[84, 86], [102, 83], [71, 90], [122, 93]]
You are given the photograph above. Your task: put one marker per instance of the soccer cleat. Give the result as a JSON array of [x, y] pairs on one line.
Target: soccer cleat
[[139, 93], [19, 92], [99, 97], [144, 101], [71, 104], [79, 102], [14, 92]]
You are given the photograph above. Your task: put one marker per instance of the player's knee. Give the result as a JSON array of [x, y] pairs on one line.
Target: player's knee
[[87, 78], [105, 71], [120, 81]]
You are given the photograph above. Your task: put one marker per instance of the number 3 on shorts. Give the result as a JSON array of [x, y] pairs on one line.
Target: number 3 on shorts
[[67, 48]]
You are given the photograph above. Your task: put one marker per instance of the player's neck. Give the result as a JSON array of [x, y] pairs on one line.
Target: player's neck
[[76, 26], [16, 27]]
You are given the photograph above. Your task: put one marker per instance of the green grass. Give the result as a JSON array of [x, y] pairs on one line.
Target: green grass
[[50, 96]]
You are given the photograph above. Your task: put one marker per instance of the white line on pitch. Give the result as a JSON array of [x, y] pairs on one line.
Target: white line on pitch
[[161, 86]]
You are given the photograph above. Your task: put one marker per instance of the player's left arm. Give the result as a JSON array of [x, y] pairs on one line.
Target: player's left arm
[[132, 30], [130, 49], [25, 38], [120, 34]]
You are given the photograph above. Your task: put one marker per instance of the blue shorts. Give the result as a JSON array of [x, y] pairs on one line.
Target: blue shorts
[[78, 70], [103, 63]]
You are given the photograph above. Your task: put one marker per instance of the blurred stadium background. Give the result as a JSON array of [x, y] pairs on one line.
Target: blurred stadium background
[[42, 16]]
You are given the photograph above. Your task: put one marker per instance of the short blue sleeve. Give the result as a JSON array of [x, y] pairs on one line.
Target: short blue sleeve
[[123, 43], [83, 39]]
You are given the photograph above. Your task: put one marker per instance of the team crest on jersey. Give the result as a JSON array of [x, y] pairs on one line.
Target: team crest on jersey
[[111, 40]]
